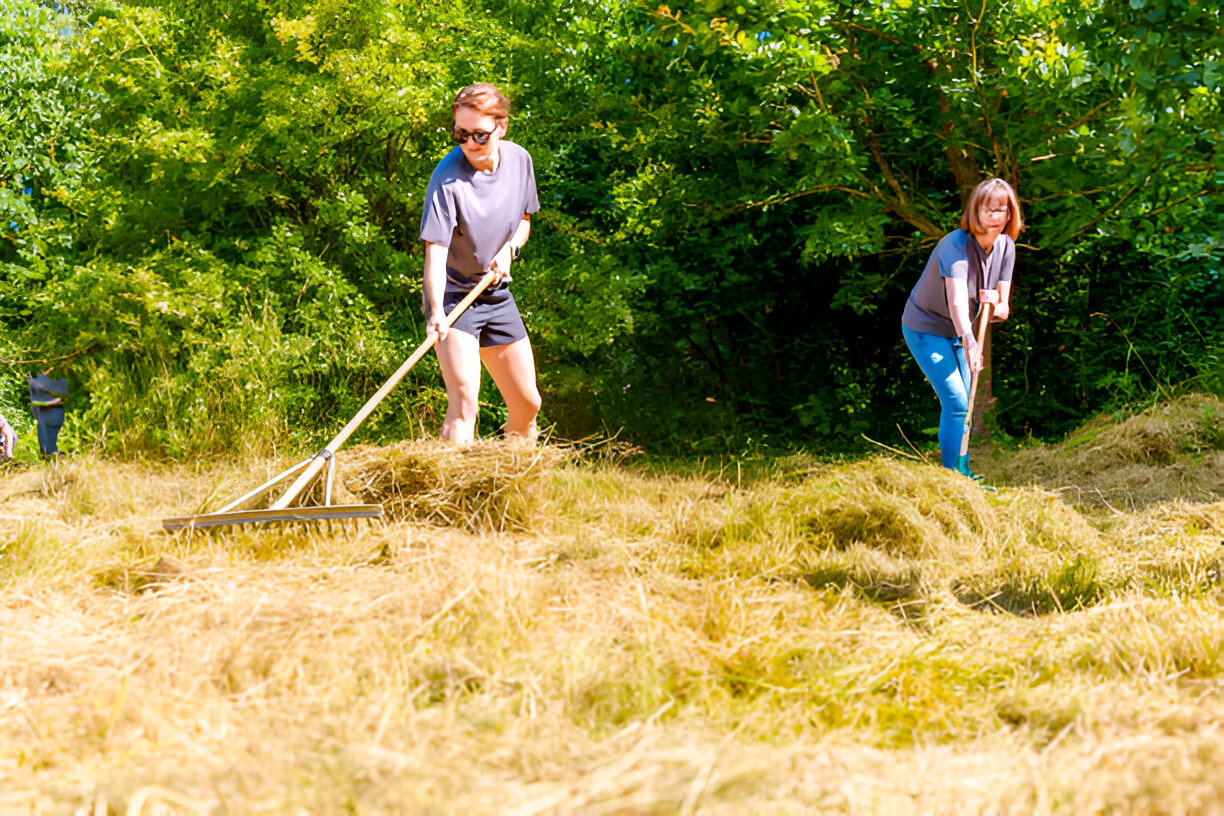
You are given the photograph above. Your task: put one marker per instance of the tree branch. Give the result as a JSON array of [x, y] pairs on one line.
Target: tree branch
[[1069, 193], [1177, 201], [1107, 212], [964, 169], [48, 360], [814, 93], [1083, 118], [973, 55], [878, 154], [908, 213], [778, 199], [882, 36]]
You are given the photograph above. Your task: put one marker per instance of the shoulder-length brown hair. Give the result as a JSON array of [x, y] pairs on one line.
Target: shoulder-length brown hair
[[484, 98], [988, 192]]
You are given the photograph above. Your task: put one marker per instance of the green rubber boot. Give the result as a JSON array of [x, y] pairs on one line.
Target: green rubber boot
[[962, 467]]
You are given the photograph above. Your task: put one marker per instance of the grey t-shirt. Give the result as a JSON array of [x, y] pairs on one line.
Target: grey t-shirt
[[957, 255], [474, 213]]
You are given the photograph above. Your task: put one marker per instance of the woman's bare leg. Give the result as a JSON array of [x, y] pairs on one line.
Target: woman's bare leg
[[459, 356], [513, 369]]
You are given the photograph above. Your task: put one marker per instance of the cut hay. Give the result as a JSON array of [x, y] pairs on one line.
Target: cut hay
[[489, 486], [825, 641], [910, 537], [1172, 450]]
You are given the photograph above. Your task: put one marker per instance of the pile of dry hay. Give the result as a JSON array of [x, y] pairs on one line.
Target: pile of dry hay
[[911, 537], [1172, 450], [489, 486]]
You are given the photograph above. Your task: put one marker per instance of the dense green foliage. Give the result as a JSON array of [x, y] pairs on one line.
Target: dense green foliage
[[222, 230]]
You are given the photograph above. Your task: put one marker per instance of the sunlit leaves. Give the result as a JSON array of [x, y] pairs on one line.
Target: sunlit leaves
[[735, 192]]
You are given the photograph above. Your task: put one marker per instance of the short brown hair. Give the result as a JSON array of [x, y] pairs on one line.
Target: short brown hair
[[484, 98], [991, 190]]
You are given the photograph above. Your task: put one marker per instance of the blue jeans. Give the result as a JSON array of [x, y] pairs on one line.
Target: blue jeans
[[942, 360]]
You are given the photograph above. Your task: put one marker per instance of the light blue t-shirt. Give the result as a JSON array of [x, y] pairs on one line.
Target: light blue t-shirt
[[474, 213], [958, 255]]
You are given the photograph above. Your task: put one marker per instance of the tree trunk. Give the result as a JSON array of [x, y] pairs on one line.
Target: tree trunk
[[964, 169]]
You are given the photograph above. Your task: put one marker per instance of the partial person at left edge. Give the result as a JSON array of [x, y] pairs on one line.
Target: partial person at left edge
[[47, 402], [8, 438]]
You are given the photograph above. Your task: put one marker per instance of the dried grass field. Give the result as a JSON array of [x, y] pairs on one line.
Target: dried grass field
[[557, 631]]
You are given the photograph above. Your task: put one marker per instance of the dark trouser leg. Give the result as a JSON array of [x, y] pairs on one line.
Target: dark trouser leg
[[50, 420]]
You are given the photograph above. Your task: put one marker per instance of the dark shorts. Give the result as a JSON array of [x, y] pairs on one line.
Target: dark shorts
[[493, 319]]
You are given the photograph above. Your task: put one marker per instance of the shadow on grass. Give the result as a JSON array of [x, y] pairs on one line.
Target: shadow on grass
[[1078, 584]]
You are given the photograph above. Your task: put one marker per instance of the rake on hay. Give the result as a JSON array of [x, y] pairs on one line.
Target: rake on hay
[[308, 470]]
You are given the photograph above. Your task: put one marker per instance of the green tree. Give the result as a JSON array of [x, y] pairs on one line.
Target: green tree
[[783, 169], [736, 198], [243, 261]]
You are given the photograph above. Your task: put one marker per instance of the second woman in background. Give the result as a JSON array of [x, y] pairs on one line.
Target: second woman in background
[[938, 318]]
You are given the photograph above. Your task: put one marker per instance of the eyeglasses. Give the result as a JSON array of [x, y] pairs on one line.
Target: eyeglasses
[[996, 210], [480, 137]]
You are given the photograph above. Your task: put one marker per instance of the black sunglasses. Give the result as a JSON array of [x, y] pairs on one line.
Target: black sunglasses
[[480, 137]]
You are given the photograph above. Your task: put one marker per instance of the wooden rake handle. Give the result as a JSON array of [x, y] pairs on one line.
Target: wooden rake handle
[[988, 298], [312, 471]]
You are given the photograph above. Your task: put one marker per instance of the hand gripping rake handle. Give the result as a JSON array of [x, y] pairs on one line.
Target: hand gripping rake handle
[[320, 460], [988, 298]]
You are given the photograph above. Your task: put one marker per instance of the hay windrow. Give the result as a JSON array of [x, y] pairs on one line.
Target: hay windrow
[[1172, 450], [909, 536], [489, 486], [1165, 432]]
